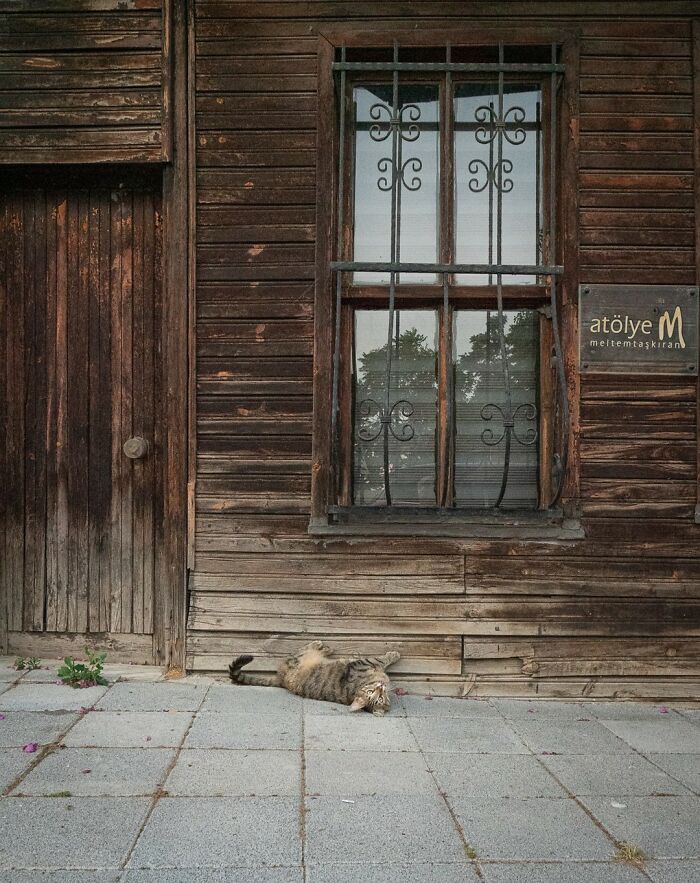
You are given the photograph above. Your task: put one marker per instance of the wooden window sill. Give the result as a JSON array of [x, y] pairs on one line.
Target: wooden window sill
[[369, 522]]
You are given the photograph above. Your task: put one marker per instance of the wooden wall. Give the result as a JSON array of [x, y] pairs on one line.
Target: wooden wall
[[84, 81], [80, 308], [615, 614]]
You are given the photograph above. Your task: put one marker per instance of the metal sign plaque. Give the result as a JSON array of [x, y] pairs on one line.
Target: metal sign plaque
[[638, 329]]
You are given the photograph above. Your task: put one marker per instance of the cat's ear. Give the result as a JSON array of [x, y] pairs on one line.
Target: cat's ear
[[358, 703]]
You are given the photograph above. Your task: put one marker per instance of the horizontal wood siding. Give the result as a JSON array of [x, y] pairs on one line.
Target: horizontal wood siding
[[615, 614], [82, 82]]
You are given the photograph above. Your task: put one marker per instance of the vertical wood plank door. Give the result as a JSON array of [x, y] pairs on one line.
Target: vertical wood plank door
[[80, 301]]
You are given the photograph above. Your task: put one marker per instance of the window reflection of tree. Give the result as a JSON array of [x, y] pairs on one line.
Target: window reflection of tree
[[478, 382], [411, 463]]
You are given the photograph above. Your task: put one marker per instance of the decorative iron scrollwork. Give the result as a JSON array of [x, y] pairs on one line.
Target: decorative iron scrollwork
[[408, 129], [493, 175], [512, 129], [527, 411], [405, 124], [400, 409]]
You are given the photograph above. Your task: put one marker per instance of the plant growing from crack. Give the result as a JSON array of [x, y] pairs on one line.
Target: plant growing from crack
[[83, 674], [31, 664], [630, 854]]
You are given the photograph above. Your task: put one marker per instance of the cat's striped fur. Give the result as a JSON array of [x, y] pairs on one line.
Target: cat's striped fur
[[360, 681]]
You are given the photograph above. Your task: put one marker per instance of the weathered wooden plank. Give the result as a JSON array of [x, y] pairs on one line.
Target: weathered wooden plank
[[228, 612], [133, 649], [15, 421], [679, 452], [663, 65], [604, 570], [637, 390]]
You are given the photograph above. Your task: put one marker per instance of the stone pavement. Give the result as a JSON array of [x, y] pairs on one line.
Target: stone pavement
[[197, 781]]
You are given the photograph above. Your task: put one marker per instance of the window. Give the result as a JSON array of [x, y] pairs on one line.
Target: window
[[448, 394]]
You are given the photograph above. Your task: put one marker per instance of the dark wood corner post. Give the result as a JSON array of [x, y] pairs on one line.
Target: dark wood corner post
[[696, 154], [569, 218], [323, 303], [171, 523]]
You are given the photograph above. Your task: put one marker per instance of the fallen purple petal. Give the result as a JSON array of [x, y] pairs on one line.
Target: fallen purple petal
[[30, 747], [399, 691], [429, 698], [663, 709], [2, 717], [85, 771]]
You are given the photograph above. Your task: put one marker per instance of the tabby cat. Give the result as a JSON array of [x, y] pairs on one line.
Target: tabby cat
[[360, 682]]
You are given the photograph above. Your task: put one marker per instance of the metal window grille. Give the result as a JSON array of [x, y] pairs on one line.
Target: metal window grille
[[493, 125]]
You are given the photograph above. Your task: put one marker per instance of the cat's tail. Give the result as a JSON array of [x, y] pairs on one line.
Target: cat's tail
[[234, 672]]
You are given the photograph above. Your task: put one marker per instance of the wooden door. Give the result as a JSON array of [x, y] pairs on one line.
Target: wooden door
[[80, 302]]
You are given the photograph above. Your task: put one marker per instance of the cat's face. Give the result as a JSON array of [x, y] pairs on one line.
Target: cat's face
[[374, 697]]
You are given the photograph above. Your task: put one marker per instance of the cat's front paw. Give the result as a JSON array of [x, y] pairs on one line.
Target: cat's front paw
[[318, 646], [392, 656]]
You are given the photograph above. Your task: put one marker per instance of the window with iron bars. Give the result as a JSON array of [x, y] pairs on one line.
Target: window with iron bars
[[448, 394]]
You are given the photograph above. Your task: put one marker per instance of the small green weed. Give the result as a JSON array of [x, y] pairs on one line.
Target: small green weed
[[60, 794], [470, 851], [31, 664], [83, 674]]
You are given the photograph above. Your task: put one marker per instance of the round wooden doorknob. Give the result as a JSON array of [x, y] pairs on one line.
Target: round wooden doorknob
[[135, 447]]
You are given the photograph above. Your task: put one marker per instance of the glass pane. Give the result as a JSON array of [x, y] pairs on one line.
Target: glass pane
[[416, 176], [410, 435], [477, 177], [480, 405]]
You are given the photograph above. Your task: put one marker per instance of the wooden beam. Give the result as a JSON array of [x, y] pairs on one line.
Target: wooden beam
[[696, 154], [171, 526], [570, 257], [323, 304]]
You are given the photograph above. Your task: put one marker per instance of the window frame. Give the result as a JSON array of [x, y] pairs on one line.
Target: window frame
[[325, 504]]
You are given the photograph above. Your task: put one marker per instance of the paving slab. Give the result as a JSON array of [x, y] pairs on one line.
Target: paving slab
[[13, 762], [348, 773], [692, 714], [391, 873], [539, 708], [314, 706], [4, 687], [215, 875], [358, 732], [204, 832], [17, 728], [663, 827], [242, 730], [229, 698], [53, 832], [418, 828], [534, 829], [125, 729], [235, 773], [66, 876], [8, 672], [419, 706], [49, 697], [674, 872], [611, 774], [493, 775], [137, 696], [684, 767], [569, 737], [43, 675], [633, 711], [670, 735], [122, 772], [465, 736], [569, 872]]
